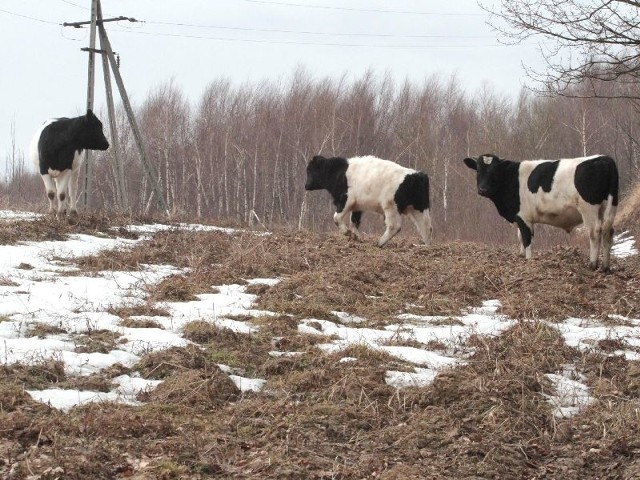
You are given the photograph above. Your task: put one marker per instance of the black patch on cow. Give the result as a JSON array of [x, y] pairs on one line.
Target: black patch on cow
[[525, 232], [596, 179], [542, 176], [413, 191], [329, 174], [60, 140]]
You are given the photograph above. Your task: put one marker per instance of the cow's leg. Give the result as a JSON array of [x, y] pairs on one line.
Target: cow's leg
[[50, 189], [422, 221], [525, 235], [343, 220], [393, 221], [62, 182], [522, 251], [607, 236], [73, 191], [593, 222], [356, 218], [607, 243]]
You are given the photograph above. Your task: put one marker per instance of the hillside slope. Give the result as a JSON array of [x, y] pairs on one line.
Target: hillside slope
[[186, 351]]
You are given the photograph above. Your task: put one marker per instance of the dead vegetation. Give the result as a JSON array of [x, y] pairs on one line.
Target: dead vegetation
[[48, 227], [319, 416]]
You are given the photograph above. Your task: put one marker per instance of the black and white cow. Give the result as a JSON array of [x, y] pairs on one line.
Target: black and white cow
[[371, 184], [563, 193], [56, 150]]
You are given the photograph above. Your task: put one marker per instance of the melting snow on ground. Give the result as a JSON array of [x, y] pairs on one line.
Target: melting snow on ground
[[36, 294], [586, 334], [449, 332], [624, 245], [571, 394], [39, 289]]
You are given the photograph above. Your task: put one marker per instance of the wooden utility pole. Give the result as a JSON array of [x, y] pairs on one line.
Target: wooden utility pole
[[122, 197], [88, 176], [148, 166], [109, 65]]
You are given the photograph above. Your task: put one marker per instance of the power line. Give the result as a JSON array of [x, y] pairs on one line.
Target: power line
[[347, 9], [307, 32], [28, 17], [75, 4], [293, 42], [301, 32], [369, 10]]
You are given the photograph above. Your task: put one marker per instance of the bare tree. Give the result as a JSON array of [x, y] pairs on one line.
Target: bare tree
[[239, 153], [590, 42]]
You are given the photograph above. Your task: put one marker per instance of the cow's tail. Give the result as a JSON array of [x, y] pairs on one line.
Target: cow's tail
[[609, 215], [612, 198]]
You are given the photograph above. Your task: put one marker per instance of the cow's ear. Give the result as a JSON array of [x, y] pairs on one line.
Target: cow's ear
[[471, 163], [317, 158]]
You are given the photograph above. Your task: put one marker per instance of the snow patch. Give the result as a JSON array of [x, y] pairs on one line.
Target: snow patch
[[624, 245], [482, 320], [572, 394]]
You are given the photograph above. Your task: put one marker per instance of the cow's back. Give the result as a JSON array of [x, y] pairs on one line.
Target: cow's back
[[596, 178], [370, 179], [551, 191], [54, 148], [34, 146]]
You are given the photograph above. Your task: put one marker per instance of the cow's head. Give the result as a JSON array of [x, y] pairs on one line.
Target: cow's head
[[90, 135], [489, 173], [315, 173]]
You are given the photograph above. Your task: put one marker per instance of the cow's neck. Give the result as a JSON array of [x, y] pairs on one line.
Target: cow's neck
[[507, 200]]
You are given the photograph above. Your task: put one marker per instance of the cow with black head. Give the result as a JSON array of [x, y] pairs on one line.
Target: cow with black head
[[56, 150], [372, 184], [563, 193]]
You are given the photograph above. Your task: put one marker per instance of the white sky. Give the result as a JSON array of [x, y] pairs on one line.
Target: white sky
[[45, 72]]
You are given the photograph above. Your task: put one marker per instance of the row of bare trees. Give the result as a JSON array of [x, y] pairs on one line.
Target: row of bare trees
[[239, 152]]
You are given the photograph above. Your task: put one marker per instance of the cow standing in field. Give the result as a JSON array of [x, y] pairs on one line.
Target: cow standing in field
[[56, 150], [371, 184], [563, 193]]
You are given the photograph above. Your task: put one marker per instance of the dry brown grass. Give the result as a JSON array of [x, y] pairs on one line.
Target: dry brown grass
[[319, 417], [50, 228], [324, 272], [628, 216], [100, 341], [147, 309]]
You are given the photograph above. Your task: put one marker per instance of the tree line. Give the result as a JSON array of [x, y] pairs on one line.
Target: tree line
[[239, 152]]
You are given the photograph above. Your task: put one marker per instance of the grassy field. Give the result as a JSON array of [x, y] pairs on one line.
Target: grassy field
[[331, 412]]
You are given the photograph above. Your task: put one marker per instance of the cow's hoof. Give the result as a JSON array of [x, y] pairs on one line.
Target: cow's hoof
[[73, 213], [593, 265], [605, 269]]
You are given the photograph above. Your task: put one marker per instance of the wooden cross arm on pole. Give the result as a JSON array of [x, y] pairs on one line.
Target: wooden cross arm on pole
[[105, 20]]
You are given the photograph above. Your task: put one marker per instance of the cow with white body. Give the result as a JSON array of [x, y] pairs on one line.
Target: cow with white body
[[371, 184], [56, 150], [563, 193]]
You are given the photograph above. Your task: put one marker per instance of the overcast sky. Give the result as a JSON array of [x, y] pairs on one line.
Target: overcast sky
[[193, 42]]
